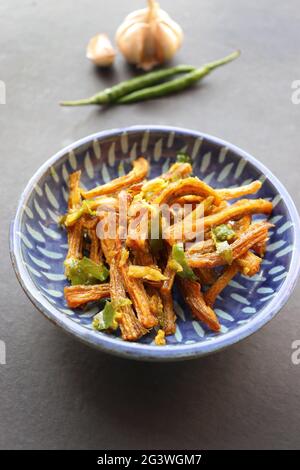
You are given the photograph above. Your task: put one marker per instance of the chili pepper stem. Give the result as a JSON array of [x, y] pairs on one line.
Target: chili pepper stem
[[84, 102], [111, 95]]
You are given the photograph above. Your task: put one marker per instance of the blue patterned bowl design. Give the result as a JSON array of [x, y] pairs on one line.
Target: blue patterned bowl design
[[39, 246]]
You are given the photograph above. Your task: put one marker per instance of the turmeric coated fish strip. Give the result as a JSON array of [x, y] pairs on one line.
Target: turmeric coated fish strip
[[249, 263], [193, 296], [167, 318], [240, 208], [191, 225], [186, 187], [138, 173], [76, 231], [139, 298], [76, 296], [74, 194], [256, 233], [131, 328], [212, 293], [233, 193]]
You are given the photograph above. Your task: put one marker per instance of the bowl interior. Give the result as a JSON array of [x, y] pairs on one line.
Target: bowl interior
[[41, 245]]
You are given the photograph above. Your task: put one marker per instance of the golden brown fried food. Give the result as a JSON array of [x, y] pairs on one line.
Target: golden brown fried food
[[256, 233], [76, 296], [212, 293], [193, 296], [233, 193], [131, 328], [186, 187], [138, 173]]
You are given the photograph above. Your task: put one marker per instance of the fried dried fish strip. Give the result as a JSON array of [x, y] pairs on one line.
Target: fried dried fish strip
[[249, 264], [233, 193], [138, 173], [260, 248], [76, 296], [131, 328], [205, 246], [74, 233], [75, 240], [155, 301], [189, 199], [206, 276], [239, 208], [177, 171], [139, 298], [212, 293], [170, 274], [189, 227], [95, 248], [185, 187], [74, 194], [193, 296], [256, 233], [167, 319]]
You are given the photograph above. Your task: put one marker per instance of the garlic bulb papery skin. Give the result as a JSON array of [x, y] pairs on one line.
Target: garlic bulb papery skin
[[149, 37], [100, 51]]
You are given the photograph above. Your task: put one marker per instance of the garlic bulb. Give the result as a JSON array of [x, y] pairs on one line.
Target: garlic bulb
[[149, 37], [100, 50]]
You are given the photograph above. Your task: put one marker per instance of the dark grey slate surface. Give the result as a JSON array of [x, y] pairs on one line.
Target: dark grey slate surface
[[57, 393]]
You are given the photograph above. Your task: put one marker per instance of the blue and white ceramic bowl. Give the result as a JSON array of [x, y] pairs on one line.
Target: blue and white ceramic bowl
[[39, 246]]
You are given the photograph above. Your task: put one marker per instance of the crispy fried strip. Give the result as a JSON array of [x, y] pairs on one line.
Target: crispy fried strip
[[155, 301], [189, 199], [260, 248], [256, 233], [168, 318], [170, 274], [187, 228], [193, 296], [205, 246], [233, 193], [130, 326], [138, 173], [177, 171], [186, 187], [95, 248], [75, 232], [212, 293], [249, 264], [139, 298], [74, 190], [239, 208], [206, 276], [76, 296], [75, 241]]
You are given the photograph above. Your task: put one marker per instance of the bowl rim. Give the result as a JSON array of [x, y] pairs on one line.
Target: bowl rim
[[141, 351]]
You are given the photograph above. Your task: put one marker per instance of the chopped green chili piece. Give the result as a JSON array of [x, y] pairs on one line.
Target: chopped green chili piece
[[85, 271], [179, 257]]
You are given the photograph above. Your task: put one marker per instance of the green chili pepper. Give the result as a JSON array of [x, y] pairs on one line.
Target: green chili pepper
[[221, 235], [179, 257], [106, 319], [183, 158], [223, 232], [85, 271], [177, 84], [111, 95]]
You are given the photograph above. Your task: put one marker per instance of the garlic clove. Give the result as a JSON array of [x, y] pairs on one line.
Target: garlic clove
[[100, 50], [149, 37]]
